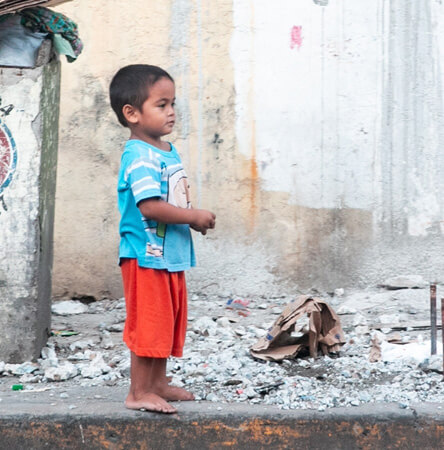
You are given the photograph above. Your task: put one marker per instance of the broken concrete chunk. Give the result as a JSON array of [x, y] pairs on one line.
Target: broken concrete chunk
[[96, 368], [405, 282], [359, 319], [107, 342], [205, 326], [81, 345], [224, 322], [25, 368], [61, 373], [433, 364], [346, 309], [115, 327], [48, 353], [68, 307]]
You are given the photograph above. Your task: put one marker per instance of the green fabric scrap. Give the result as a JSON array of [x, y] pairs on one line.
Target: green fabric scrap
[[63, 47]]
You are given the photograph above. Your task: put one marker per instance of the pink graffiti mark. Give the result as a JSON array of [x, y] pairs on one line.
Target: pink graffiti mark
[[296, 37]]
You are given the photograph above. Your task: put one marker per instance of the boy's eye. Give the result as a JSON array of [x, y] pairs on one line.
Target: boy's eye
[[173, 104]]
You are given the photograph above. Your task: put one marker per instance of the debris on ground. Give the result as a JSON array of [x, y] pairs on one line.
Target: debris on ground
[[217, 365], [405, 282], [68, 307], [240, 306], [290, 336]]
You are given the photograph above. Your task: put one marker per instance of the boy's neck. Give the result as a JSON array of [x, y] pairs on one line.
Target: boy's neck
[[155, 142]]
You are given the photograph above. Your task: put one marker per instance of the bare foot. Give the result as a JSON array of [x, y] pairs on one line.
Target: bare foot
[[173, 393], [149, 402]]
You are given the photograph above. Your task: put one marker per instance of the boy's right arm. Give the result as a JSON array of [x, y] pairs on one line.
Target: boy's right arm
[[157, 209]]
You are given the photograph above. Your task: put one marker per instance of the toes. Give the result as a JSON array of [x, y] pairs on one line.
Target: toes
[[188, 396], [151, 403], [164, 408], [170, 411]]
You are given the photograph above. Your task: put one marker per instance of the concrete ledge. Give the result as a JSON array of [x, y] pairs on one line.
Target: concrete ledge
[[104, 423]]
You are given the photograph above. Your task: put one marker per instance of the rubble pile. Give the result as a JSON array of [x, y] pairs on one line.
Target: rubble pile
[[386, 356]]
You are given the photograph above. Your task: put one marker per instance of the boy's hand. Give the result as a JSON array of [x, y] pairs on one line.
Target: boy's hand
[[203, 220]]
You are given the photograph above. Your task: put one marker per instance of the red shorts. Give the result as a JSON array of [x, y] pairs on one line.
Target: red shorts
[[156, 310]]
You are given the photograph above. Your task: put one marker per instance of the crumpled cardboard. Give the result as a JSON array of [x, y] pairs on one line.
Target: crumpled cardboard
[[324, 331]]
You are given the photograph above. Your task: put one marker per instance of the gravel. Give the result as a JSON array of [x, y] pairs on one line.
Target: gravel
[[86, 349]]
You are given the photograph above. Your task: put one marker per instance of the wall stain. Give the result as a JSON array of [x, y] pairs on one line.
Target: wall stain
[[254, 178]]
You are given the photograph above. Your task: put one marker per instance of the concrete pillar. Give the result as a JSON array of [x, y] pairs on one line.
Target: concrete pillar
[[28, 157]]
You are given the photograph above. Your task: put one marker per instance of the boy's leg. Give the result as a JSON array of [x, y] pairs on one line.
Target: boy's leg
[[144, 372], [149, 383], [161, 384], [177, 296]]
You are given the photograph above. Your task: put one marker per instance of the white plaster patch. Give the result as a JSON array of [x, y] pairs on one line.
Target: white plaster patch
[[427, 215], [242, 57], [424, 211], [307, 107]]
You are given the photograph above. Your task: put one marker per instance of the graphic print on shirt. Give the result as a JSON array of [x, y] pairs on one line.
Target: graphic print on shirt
[[178, 194]]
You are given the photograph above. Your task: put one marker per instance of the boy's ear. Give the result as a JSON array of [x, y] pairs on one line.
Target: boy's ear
[[130, 113]]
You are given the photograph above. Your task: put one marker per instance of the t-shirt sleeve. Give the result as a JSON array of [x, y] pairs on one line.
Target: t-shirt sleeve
[[143, 176]]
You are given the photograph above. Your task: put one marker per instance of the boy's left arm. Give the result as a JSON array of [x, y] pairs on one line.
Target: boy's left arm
[[157, 209]]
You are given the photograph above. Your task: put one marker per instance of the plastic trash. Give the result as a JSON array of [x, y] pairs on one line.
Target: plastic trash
[[64, 333], [241, 306]]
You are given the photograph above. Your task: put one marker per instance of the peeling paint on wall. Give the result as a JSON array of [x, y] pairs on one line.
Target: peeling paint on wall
[[26, 230], [8, 158]]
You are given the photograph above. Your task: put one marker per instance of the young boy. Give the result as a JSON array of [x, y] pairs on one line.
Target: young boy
[[155, 245]]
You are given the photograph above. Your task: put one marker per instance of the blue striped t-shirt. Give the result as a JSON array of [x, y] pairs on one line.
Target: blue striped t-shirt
[[147, 172]]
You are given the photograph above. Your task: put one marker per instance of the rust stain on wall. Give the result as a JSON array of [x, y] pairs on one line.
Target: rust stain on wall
[[365, 432], [253, 174], [254, 177]]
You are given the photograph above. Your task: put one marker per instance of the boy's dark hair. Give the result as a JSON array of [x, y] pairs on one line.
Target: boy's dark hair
[[130, 86]]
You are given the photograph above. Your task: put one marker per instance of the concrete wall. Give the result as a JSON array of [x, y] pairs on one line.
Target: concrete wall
[[28, 137], [311, 128]]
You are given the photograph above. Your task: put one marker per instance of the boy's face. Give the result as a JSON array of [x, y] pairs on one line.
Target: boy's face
[[156, 117]]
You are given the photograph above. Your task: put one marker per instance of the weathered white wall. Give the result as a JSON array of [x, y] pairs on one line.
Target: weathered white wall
[[26, 220], [314, 133]]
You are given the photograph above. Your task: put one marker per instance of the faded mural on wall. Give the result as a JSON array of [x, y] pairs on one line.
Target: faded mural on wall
[[8, 155]]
